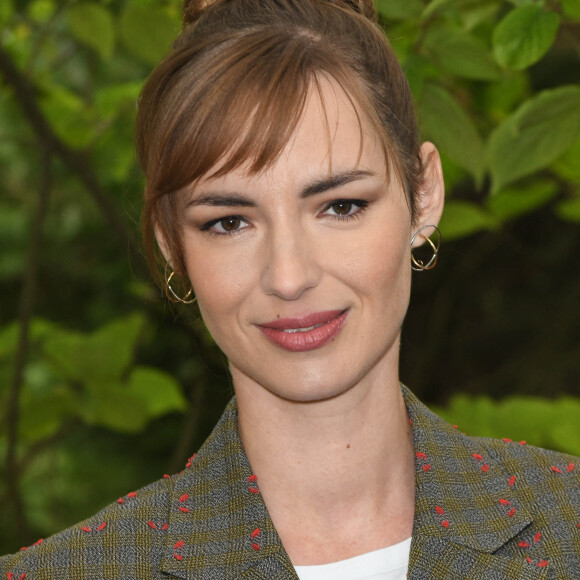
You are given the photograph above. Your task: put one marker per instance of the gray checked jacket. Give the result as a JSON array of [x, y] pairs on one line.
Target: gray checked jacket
[[485, 510]]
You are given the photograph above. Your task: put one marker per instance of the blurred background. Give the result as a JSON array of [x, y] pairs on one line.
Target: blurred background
[[105, 387]]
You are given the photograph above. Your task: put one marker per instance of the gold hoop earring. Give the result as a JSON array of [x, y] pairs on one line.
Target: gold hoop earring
[[173, 296], [419, 265]]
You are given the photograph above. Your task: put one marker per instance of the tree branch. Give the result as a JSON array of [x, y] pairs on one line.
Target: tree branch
[[76, 161], [27, 300]]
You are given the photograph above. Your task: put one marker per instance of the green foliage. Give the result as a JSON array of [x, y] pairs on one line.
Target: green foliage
[[552, 424], [459, 53], [517, 201], [147, 29], [93, 25], [539, 132], [462, 218], [524, 36], [444, 120]]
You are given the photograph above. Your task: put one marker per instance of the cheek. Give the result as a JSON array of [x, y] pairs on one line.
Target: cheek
[[221, 280], [379, 263]]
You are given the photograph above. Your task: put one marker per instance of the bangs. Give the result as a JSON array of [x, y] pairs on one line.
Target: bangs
[[243, 113]]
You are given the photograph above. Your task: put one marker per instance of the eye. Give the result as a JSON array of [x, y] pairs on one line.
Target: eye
[[345, 208], [226, 226]]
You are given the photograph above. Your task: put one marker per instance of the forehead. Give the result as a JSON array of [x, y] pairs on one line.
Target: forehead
[[331, 135]]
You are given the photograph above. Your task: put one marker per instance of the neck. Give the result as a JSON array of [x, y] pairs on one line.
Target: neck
[[337, 476]]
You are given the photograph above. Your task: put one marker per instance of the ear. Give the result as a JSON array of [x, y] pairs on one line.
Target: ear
[[163, 246], [431, 199]]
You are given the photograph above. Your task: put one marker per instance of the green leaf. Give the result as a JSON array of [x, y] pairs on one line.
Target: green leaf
[[445, 122], [500, 99], [400, 9], [517, 201], [461, 54], [569, 210], [533, 137], [159, 392], [99, 358], [524, 36], [92, 25], [568, 166], [462, 218], [42, 415], [147, 30], [571, 9], [113, 406]]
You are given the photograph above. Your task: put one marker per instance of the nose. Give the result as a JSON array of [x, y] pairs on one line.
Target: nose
[[290, 267]]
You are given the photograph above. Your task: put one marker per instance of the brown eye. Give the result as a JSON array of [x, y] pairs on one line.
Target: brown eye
[[342, 207], [231, 223]]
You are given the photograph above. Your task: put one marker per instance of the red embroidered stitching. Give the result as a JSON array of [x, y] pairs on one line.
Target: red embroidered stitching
[[190, 460], [539, 563], [256, 537], [480, 461], [512, 480], [183, 508], [441, 512], [177, 550], [507, 504], [253, 484], [131, 495], [506, 440], [99, 528], [10, 576], [154, 526], [37, 543], [423, 461]]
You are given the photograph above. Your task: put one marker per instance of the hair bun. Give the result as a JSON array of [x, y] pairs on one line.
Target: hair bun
[[364, 7], [193, 9]]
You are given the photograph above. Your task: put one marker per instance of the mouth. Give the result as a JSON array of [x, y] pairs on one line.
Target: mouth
[[305, 333]]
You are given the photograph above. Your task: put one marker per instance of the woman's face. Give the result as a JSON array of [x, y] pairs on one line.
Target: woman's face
[[302, 273]]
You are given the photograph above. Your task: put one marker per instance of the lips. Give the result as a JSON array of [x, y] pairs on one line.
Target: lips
[[306, 332]]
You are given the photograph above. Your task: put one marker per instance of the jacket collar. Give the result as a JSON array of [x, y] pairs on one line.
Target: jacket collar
[[219, 526], [465, 509]]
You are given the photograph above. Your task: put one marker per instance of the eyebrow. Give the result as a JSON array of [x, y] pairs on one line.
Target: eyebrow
[[217, 199]]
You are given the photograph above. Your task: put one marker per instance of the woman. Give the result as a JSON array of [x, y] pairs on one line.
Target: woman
[[286, 184]]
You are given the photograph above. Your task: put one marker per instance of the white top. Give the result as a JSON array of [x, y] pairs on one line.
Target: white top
[[387, 564]]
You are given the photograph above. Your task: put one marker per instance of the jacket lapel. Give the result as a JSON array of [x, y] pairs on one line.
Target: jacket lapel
[[219, 527], [465, 510]]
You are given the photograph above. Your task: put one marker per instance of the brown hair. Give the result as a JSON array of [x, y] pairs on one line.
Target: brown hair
[[234, 86]]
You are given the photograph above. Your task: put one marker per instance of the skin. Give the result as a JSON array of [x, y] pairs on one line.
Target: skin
[[326, 431]]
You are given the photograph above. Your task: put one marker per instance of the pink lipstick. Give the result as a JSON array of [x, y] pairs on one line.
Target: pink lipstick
[[306, 332]]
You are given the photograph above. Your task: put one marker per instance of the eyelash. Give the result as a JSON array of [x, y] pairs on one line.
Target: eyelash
[[360, 204]]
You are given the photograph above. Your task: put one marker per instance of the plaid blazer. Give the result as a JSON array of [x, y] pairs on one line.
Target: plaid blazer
[[485, 509]]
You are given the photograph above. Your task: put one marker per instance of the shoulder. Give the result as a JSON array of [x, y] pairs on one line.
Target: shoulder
[[140, 534], [124, 540], [533, 464], [546, 483]]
